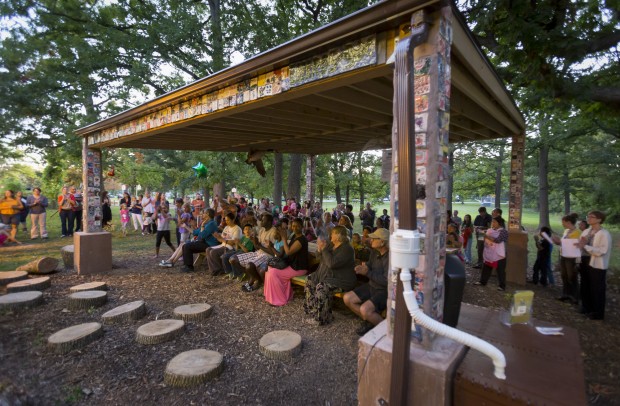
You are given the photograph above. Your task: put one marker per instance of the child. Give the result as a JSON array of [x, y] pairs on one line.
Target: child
[[244, 244], [356, 241], [454, 240], [146, 225], [542, 266], [365, 233], [5, 235], [163, 228], [124, 219], [185, 227]]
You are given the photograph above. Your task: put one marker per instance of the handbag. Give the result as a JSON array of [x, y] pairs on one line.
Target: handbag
[[277, 262]]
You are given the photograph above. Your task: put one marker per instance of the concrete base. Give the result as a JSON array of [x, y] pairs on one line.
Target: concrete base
[[432, 371], [93, 252], [516, 255]]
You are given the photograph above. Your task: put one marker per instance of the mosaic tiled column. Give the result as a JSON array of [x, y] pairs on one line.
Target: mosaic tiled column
[[431, 126], [92, 180]]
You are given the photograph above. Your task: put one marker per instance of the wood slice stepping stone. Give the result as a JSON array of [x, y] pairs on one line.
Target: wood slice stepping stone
[[42, 265], [12, 276], [74, 337], [127, 312], [193, 367], [87, 299], [280, 344], [89, 286], [159, 331], [67, 254], [29, 284], [21, 300], [193, 312]]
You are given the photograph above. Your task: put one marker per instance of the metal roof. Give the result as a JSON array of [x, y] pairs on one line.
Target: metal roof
[[327, 91]]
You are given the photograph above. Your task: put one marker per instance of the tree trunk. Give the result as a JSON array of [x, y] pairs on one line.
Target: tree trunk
[[310, 177], [294, 177], [321, 194], [219, 190], [277, 179], [338, 194], [360, 178], [498, 175], [347, 194], [566, 188], [217, 38], [543, 197]]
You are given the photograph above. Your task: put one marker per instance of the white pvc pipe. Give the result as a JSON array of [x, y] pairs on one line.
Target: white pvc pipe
[[499, 360]]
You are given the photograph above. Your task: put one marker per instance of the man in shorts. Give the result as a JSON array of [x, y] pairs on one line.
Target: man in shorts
[[370, 299]]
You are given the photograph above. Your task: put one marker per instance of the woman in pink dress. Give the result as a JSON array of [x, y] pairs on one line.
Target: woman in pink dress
[[278, 289]]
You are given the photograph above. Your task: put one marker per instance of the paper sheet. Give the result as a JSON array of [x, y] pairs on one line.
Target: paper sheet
[[568, 248]]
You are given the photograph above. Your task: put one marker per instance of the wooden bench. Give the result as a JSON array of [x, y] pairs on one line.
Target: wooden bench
[[301, 281]]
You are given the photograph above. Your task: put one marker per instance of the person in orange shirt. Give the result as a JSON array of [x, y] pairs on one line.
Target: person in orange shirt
[[9, 209]]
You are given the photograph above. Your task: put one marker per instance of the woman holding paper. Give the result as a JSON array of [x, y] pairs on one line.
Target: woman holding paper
[[596, 241], [569, 252]]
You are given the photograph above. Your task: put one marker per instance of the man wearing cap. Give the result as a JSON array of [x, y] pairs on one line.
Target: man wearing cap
[[370, 299]]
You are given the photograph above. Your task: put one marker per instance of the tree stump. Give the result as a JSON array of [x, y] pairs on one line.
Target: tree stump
[[74, 337], [89, 286], [42, 265], [12, 276], [193, 312], [41, 283], [281, 344], [159, 331], [87, 299], [129, 311], [67, 253], [21, 300], [193, 367]]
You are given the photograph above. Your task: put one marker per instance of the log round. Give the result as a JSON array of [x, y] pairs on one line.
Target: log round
[[67, 253], [74, 337], [127, 312], [193, 312], [89, 286], [87, 299], [280, 344], [42, 265], [41, 283], [159, 331], [193, 367], [12, 276], [21, 300]]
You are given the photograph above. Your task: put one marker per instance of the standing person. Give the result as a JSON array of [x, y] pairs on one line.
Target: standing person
[[596, 241], [23, 212], [124, 219], [370, 299], [542, 265], [38, 205], [278, 290], [494, 251], [77, 209], [456, 219], [205, 240], [136, 212], [199, 205], [126, 200], [335, 273], [568, 264], [9, 209], [481, 223], [385, 218], [106, 211], [163, 228], [148, 208], [367, 216], [66, 202], [178, 212], [467, 231]]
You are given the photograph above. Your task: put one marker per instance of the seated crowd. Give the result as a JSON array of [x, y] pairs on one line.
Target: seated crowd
[[263, 246]]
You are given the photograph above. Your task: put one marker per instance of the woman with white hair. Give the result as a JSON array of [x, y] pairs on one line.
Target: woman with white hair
[[335, 274]]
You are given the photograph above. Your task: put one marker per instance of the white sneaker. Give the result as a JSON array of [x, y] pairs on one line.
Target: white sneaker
[[165, 264]]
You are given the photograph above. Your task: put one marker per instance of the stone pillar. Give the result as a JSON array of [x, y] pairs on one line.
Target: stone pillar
[[93, 247], [516, 251]]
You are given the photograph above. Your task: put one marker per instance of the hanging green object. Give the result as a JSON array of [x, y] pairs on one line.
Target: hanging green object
[[200, 170]]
